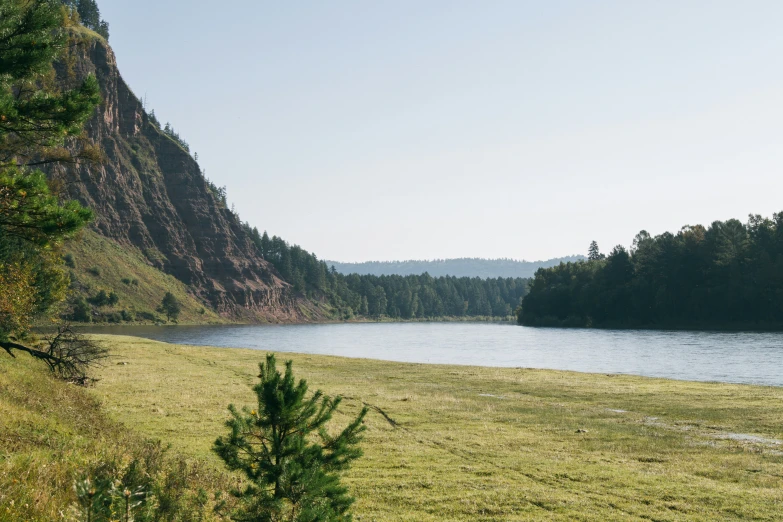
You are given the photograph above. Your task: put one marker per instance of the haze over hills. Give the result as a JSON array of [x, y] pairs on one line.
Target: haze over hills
[[462, 267]]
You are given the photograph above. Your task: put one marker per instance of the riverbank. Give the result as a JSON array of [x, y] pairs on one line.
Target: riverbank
[[471, 443], [43, 324]]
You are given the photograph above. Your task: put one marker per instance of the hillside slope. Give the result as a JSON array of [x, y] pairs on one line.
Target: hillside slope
[[98, 263], [149, 195], [54, 434]]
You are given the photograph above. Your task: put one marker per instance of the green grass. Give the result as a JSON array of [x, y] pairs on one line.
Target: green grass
[[53, 434], [148, 285], [470, 443]]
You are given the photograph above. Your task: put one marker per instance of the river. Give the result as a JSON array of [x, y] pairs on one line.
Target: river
[[738, 357]]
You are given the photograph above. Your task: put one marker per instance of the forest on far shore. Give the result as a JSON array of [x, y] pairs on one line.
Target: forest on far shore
[[728, 275], [420, 296]]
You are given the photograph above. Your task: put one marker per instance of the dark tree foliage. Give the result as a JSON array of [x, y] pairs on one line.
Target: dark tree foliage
[[30, 214], [80, 310], [394, 296], [170, 306], [285, 452], [594, 253], [154, 119], [36, 116], [728, 275], [35, 119]]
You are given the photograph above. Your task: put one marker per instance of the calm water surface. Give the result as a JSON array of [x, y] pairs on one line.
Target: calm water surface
[[753, 358]]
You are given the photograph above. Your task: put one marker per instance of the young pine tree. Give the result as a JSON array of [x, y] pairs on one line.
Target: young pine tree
[[284, 450]]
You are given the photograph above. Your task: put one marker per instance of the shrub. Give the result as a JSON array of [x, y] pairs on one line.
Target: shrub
[[100, 299], [127, 316], [152, 487], [127, 281], [114, 317], [69, 261], [80, 311], [94, 270], [113, 298], [147, 316]]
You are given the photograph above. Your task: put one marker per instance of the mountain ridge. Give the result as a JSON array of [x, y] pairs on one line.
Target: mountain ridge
[[456, 267]]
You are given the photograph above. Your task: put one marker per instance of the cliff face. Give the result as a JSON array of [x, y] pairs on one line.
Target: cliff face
[[149, 193]]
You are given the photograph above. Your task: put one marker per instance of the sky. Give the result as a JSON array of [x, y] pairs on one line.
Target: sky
[[409, 129]]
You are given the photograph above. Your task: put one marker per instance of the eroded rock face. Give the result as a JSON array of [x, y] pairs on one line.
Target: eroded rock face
[[150, 194]]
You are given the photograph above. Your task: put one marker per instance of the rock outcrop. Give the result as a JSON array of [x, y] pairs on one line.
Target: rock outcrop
[[149, 193]]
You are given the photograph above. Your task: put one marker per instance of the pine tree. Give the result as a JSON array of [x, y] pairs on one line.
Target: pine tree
[[89, 13], [35, 118], [266, 245], [593, 253], [286, 453]]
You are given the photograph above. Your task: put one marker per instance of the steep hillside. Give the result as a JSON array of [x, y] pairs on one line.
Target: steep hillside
[[149, 195], [98, 263], [463, 267]]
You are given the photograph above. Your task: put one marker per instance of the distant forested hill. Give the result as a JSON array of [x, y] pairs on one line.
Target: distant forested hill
[[463, 267], [726, 275], [413, 296]]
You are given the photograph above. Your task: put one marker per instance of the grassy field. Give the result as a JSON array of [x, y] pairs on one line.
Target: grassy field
[[53, 434], [469, 443]]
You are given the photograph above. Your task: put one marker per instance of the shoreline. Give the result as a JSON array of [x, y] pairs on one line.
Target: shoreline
[[41, 325], [283, 353]]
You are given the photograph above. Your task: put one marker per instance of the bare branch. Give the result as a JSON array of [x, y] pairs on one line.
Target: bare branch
[[68, 354]]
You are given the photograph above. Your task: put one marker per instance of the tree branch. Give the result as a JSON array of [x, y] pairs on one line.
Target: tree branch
[[68, 354]]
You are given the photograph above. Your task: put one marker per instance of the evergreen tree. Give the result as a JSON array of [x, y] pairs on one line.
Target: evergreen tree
[[34, 119], [727, 275], [286, 454], [154, 119], [593, 253], [265, 245]]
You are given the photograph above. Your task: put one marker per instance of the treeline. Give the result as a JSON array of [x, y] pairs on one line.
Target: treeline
[[462, 267], [727, 275], [392, 296], [89, 15], [169, 131]]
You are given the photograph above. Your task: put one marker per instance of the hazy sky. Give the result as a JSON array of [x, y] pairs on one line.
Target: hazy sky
[[377, 130]]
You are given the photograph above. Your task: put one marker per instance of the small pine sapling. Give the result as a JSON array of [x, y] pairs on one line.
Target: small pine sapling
[[286, 453]]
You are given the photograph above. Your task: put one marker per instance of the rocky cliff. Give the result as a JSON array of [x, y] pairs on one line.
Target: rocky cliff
[[149, 193]]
